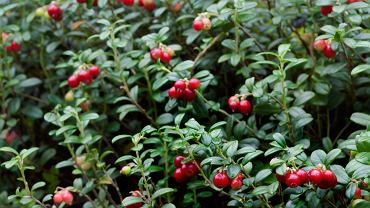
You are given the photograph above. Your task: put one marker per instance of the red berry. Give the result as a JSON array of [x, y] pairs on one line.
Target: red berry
[[179, 177], [189, 169], [127, 2], [188, 94], [245, 107], [155, 54], [194, 83], [141, 2], [11, 136], [180, 85], [280, 178], [207, 24], [236, 183], [136, 193], [55, 12], [198, 24], [174, 93], [357, 193], [149, 5], [233, 103], [221, 180], [84, 76], [95, 3], [329, 180], [13, 47], [303, 176], [292, 180], [73, 81], [325, 10], [166, 57], [319, 45], [315, 176], [353, 1], [57, 198], [67, 197], [178, 160], [364, 184], [94, 71], [329, 52], [81, 1], [85, 106]]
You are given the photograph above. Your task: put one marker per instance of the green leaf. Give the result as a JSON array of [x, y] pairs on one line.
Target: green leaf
[[233, 147], [361, 118], [360, 68], [169, 205], [318, 157], [279, 139], [161, 192], [30, 82], [119, 137], [262, 175], [124, 158], [27, 152], [165, 118], [8, 149], [185, 65], [233, 170], [89, 116], [38, 185], [330, 157], [283, 49], [341, 174]]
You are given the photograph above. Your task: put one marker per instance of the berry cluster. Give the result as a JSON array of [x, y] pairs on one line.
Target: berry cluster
[[222, 180], [243, 105], [325, 47], [185, 171], [13, 46], [149, 5], [202, 23], [324, 179], [136, 193], [82, 75], [55, 11], [184, 89], [163, 53], [63, 196]]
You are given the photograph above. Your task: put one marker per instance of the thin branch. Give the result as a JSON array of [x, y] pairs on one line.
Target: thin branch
[[204, 51]]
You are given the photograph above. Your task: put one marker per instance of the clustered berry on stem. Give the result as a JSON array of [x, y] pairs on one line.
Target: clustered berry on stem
[[149, 5], [162, 53], [184, 89], [202, 22], [55, 11], [325, 47], [319, 177], [327, 9], [63, 196], [240, 103], [82, 75], [126, 2], [95, 3], [185, 171], [222, 180], [13, 46]]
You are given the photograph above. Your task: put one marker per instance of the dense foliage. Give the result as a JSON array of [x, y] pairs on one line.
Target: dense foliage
[[185, 103]]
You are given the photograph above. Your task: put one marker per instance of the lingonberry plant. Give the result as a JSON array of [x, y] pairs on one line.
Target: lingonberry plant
[[185, 103]]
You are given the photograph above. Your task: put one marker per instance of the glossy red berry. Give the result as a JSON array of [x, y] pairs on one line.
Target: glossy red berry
[[236, 183], [221, 180], [95, 3], [315, 176], [178, 160], [141, 2], [156, 53], [357, 193], [94, 71], [329, 52], [329, 180], [189, 169], [136, 193], [13, 47], [55, 11], [180, 85], [326, 10], [174, 93], [353, 1], [127, 2], [245, 107], [81, 1], [84, 76], [233, 103], [188, 94], [280, 178], [292, 180], [73, 81], [67, 197], [303, 176], [319, 45], [179, 177], [198, 24], [166, 57], [149, 5], [194, 83], [57, 198]]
